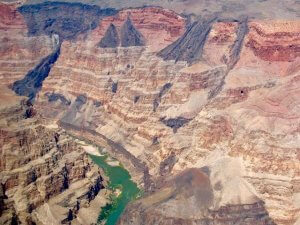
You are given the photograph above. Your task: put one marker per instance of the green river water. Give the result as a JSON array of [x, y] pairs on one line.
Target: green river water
[[119, 178]]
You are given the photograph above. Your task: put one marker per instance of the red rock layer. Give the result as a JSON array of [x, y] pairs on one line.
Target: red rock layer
[[219, 42], [160, 27], [273, 46], [10, 18], [274, 43]]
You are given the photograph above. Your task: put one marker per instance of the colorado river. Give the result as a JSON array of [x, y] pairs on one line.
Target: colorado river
[[123, 189]]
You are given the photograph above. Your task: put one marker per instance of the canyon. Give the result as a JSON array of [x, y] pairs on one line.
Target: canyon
[[202, 110], [46, 177]]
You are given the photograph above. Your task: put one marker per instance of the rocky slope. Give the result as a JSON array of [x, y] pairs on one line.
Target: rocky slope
[[216, 93], [46, 178], [195, 196]]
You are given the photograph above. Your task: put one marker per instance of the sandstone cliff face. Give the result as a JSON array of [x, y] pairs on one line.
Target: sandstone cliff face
[[233, 107], [42, 169]]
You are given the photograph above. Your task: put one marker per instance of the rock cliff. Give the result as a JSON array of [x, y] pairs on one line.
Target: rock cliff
[[45, 176]]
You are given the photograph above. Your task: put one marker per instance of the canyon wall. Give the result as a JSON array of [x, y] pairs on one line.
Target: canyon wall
[[19, 52], [171, 94], [235, 100], [45, 177]]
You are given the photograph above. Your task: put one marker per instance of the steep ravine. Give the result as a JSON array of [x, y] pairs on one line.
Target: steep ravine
[[46, 176]]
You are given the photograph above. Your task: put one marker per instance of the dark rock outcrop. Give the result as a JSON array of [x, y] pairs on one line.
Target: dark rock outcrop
[[32, 83], [15, 220], [97, 103], [164, 89], [155, 140], [114, 87], [70, 215], [53, 97], [111, 38], [136, 98], [175, 123], [2, 197], [130, 36], [94, 190], [155, 104], [30, 112], [189, 47], [80, 101], [67, 20], [66, 180], [237, 46], [167, 164]]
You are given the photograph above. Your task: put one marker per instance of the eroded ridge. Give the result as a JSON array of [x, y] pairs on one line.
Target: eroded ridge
[[45, 176]]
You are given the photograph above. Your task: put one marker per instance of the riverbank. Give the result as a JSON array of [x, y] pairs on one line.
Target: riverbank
[[124, 190], [139, 171], [121, 188]]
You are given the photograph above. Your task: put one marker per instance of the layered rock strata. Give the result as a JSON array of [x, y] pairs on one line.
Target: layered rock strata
[[158, 27], [225, 98], [223, 105], [19, 53], [45, 177]]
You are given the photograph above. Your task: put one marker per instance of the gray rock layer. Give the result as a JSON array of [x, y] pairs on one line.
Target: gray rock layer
[[130, 36], [67, 20], [111, 38], [31, 84], [189, 47]]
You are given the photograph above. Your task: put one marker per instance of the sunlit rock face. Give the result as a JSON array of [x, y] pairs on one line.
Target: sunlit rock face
[[40, 167], [171, 93]]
